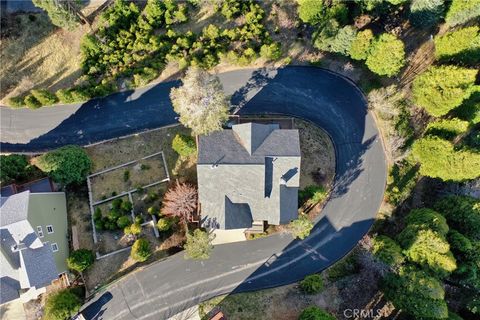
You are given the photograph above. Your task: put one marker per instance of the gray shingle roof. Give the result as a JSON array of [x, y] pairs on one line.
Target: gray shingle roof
[[34, 264], [14, 208], [236, 187], [39, 266]]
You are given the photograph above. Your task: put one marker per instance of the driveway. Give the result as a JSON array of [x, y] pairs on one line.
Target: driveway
[[167, 287]]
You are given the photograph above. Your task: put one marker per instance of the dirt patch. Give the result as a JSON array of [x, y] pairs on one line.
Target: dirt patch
[[121, 150], [282, 303], [318, 155], [139, 174]]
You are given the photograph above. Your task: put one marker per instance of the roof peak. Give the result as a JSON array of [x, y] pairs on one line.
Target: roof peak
[[251, 135]]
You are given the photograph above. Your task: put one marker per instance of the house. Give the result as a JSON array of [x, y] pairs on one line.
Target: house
[[34, 244], [248, 175]]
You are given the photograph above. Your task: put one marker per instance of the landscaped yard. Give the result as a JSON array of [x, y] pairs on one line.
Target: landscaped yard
[[114, 153]]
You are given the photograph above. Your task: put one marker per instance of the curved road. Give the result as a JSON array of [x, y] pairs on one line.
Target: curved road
[[167, 287]]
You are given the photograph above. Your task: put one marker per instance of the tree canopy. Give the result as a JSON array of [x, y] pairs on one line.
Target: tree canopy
[[360, 48], [386, 56], [439, 159], [62, 305], [200, 102], [66, 165], [461, 46], [461, 11], [426, 13], [417, 293], [61, 13], [443, 88], [81, 259], [14, 166]]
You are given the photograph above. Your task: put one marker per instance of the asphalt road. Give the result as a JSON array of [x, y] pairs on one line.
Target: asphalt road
[[174, 284]]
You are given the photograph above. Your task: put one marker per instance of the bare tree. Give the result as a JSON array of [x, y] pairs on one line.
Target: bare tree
[[200, 102], [181, 201]]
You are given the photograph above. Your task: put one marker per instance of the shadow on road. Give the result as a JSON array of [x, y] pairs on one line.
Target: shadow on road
[[105, 118]]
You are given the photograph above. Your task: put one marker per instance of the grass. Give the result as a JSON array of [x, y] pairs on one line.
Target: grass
[[38, 55]]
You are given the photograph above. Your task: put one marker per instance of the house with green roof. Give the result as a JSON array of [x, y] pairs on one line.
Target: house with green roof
[[34, 243]]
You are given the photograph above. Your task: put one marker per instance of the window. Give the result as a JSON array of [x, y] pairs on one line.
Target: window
[[54, 247], [49, 229], [40, 231]]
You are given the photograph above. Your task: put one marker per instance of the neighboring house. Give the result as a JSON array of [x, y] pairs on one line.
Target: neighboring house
[[248, 175], [34, 244]]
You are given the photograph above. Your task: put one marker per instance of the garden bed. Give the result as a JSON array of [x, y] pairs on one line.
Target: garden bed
[[128, 177]]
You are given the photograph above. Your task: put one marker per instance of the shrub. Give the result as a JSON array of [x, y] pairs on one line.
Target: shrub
[[81, 259], [387, 250], [460, 46], [441, 89], [164, 224], [80, 94], [140, 250], [32, 102], [133, 229], [315, 313], [16, 102], [126, 207], [144, 77], [345, 267], [447, 128], [271, 51], [123, 222], [45, 97], [97, 215], [360, 48], [62, 305], [66, 165], [439, 159], [416, 293], [426, 13], [198, 245], [312, 194], [126, 175], [13, 167], [184, 145], [65, 96], [461, 11], [301, 227], [387, 55], [312, 284]]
